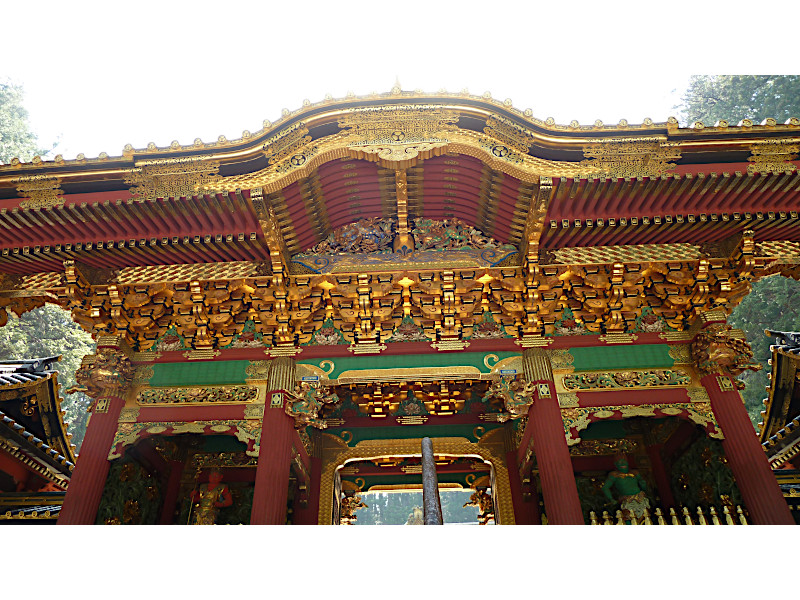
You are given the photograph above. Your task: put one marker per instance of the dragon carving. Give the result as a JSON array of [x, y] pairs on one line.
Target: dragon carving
[[305, 403], [514, 394], [103, 374], [718, 349]]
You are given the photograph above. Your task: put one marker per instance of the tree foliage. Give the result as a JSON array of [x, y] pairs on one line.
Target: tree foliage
[[50, 331], [774, 302], [16, 138], [46, 331], [712, 98]]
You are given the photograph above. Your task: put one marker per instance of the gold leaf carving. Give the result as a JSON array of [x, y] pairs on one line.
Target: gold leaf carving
[[289, 141], [128, 415], [173, 178], [379, 125], [626, 380], [142, 375], [630, 157], [698, 394], [773, 156], [509, 133], [681, 354], [198, 395], [560, 358], [258, 369], [567, 400], [42, 191]]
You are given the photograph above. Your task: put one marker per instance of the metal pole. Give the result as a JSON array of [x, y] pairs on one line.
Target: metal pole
[[431, 503]]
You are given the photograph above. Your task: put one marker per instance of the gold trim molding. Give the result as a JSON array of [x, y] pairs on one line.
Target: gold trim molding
[[336, 454], [578, 419]]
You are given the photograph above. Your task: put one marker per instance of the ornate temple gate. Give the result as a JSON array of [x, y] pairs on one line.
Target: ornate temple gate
[[368, 272]]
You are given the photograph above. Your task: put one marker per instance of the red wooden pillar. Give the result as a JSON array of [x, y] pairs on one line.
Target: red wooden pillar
[[559, 491], [85, 488], [91, 468], [525, 513], [310, 514], [745, 455], [660, 475], [275, 455], [171, 493]]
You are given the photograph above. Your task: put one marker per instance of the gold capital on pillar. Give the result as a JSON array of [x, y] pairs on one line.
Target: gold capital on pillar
[[536, 365], [281, 374]]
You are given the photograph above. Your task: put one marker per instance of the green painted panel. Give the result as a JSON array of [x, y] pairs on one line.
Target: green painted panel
[[199, 373], [409, 361], [648, 356]]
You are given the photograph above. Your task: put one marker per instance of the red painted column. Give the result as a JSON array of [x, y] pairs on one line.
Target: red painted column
[[525, 513], [171, 493], [559, 491], [745, 455], [91, 468], [310, 514], [660, 475], [275, 455]]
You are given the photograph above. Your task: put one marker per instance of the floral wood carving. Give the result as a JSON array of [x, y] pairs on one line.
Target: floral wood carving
[[625, 379], [408, 331], [193, 395], [366, 235], [430, 234]]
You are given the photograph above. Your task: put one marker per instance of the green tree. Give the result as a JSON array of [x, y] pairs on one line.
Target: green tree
[[16, 138], [774, 302], [49, 330], [712, 98]]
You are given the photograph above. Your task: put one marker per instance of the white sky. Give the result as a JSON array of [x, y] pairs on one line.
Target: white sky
[[99, 75]]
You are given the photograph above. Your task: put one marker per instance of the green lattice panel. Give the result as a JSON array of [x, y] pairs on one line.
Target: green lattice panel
[[199, 373], [633, 356]]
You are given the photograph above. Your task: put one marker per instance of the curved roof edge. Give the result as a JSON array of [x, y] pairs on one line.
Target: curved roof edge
[[464, 99]]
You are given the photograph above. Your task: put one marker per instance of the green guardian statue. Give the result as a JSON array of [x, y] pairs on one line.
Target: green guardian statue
[[631, 488]]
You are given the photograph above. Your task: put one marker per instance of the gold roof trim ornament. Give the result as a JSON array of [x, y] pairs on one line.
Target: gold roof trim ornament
[[543, 132], [40, 191], [774, 156], [173, 178], [630, 157]]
